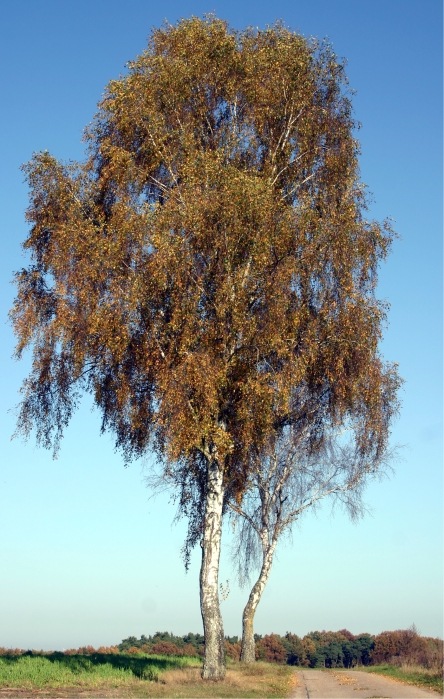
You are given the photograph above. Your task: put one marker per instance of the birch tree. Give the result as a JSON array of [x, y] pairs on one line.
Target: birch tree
[[286, 480], [208, 256]]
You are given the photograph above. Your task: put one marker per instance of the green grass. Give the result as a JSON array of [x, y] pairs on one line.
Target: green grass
[[415, 675], [142, 676], [83, 671]]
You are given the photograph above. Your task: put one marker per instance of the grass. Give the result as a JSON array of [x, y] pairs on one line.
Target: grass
[[76, 672], [258, 680], [123, 675], [411, 674]]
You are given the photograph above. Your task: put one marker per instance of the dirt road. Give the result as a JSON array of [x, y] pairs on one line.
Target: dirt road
[[338, 684]]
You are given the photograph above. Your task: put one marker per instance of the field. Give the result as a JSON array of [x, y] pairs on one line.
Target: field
[[110, 675], [122, 675]]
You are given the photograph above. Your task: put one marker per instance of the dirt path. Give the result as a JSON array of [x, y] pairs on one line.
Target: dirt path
[[338, 684]]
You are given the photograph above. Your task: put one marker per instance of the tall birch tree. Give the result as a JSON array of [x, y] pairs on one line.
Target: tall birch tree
[[209, 257]]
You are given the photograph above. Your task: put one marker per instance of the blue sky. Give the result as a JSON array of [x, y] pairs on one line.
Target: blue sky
[[86, 557]]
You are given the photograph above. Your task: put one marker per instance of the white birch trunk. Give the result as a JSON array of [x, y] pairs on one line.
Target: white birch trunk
[[248, 647], [214, 659]]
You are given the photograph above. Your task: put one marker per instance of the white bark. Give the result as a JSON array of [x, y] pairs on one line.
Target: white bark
[[248, 649], [214, 660]]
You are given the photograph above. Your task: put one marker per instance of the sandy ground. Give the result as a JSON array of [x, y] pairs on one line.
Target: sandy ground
[[332, 684]]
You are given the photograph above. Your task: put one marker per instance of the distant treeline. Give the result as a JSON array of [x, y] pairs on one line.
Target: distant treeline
[[317, 649]]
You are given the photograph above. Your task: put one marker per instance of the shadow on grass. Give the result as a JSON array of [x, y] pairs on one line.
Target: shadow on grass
[[142, 667]]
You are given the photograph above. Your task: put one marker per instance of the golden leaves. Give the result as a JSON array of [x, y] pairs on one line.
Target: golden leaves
[[210, 261]]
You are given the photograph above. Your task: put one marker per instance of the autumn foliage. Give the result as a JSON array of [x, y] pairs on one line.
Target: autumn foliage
[[408, 647], [271, 649], [208, 272]]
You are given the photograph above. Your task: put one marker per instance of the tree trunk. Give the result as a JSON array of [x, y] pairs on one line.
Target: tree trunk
[[214, 659], [248, 646]]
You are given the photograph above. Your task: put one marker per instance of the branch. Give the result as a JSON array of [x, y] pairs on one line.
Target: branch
[[285, 134], [293, 162], [239, 511], [296, 187]]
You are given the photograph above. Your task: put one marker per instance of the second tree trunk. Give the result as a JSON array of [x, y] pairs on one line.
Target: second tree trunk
[[248, 647]]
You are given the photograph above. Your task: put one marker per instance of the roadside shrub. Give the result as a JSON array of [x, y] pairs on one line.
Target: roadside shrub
[[405, 647]]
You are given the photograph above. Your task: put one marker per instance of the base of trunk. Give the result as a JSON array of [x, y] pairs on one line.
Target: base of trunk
[[213, 673], [248, 654], [214, 668], [214, 659], [248, 646]]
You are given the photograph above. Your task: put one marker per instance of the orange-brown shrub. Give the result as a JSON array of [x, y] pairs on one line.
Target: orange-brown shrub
[[407, 647], [271, 649], [166, 648], [232, 650]]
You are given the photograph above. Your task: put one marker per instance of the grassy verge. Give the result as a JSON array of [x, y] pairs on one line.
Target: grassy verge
[[410, 674], [258, 680], [123, 675], [37, 673]]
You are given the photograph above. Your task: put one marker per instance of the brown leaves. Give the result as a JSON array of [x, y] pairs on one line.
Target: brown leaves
[[210, 258]]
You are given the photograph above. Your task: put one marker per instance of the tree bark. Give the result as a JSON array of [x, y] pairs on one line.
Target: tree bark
[[214, 659], [248, 646]]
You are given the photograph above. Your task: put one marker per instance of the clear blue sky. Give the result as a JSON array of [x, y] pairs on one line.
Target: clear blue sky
[[86, 557]]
